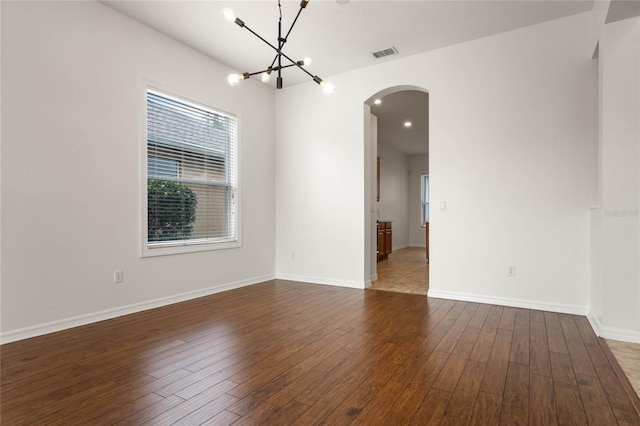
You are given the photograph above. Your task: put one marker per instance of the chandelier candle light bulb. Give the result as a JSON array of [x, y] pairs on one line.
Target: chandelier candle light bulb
[[229, 15], [328, 88], [235, 79]]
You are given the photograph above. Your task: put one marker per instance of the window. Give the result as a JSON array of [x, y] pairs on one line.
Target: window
[[425, 199], [191, 176]]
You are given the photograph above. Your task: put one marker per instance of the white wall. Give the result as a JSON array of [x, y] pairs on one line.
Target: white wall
[[418, 165], [512, 147], [394, 192], [321, 195], [616, 224], [71, 97]]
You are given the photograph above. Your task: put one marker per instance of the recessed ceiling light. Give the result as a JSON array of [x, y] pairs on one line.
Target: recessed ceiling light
[[377, 101], [407, 124]]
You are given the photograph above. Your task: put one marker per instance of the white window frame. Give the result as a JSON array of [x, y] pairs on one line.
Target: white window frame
[[179, 247], [423, 205]]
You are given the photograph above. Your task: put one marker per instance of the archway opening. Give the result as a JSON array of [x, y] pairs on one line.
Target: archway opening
[[397, 189]]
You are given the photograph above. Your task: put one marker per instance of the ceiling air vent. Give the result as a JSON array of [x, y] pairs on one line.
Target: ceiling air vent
[[385, 52]]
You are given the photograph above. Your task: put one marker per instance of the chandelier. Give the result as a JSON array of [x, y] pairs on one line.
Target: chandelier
[[276, 65]]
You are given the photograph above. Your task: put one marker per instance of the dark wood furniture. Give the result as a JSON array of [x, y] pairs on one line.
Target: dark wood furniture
[[385, 240]]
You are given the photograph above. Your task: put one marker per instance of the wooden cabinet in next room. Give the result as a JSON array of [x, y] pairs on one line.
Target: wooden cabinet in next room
[[385, 240]]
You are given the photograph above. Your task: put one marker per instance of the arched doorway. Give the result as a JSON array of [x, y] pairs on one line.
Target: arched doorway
[[397, 176]]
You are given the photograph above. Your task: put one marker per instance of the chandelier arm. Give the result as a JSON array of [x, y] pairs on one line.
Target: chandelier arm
[[279, 52], [292, 24], [286, 37], [260, 37], [280, 44], [294, 63], [270, 69]]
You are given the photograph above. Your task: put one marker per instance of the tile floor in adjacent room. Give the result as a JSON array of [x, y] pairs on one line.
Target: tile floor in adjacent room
[[405, 271], [628, 356]]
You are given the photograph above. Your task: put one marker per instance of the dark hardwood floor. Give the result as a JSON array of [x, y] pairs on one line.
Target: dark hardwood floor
[[290, 353]]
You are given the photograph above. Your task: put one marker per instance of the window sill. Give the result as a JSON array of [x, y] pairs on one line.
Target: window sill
[[191, 247]]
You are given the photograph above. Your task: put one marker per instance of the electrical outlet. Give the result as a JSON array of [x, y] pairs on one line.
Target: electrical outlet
[[511, 270], [117, 276], [293, 255]]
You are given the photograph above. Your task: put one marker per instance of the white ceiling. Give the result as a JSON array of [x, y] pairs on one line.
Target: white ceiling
[[394, 111], [340, 37]]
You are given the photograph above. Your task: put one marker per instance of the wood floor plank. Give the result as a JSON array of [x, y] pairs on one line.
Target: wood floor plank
[[467, 341], [432, 408], [283, 352], [415, 391], [596, 406], [316, 391], [480, 316], [151, 412], [542, 401], [460, 407], [113, 415], [515, 402], [211, 401], [223, 418], [272, 381], [453, 335], [259, 414], [484, 342], [487, 410], [360, 397], [579, 356], [508, 318], [380, 405], [539, 346], [555, 336], [521, 336], [586, 332], [568, 402], [289, 357], [496, 373], [315, 375], [450, 373], [323, 406], [287, 414]]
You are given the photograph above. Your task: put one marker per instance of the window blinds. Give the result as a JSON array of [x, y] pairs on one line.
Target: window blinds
[[191, 171]]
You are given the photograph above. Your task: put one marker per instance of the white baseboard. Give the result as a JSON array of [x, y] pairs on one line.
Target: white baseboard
[[374, 278], [63, 324], [611, 332], [325, 281], [516, 303], [400, 247]]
